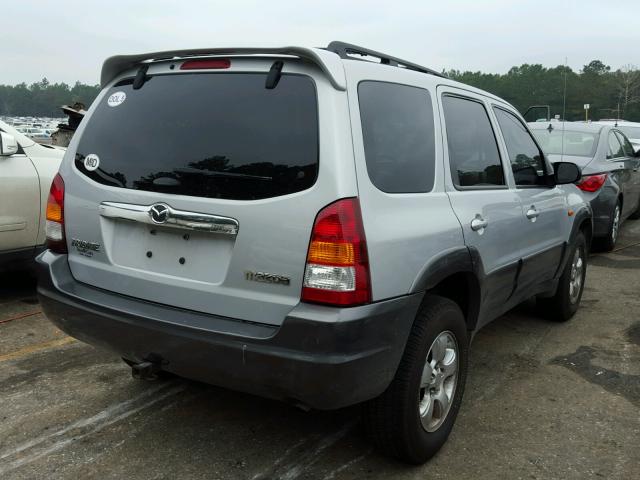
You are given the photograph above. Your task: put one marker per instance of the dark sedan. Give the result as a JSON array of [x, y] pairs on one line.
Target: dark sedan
[[610, 171]]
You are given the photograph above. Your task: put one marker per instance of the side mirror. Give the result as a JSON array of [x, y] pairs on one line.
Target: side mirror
[[566, 172], [8, 145]]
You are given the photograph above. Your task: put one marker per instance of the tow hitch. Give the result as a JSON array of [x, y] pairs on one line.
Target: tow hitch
[[145, 370]]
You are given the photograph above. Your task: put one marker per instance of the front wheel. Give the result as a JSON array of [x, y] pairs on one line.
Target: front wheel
[[564, 304], [412, 419]]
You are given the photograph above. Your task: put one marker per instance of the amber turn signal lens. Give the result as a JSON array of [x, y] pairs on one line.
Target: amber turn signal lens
[[54, 212], [331, 253]]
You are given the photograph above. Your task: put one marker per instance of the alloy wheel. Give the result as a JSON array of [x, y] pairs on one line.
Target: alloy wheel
[[438, 382]]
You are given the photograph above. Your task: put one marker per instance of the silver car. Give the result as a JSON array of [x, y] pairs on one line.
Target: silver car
[[610, 169], [304, 225]]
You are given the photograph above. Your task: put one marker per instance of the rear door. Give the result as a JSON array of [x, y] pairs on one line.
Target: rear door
[[632, 163], [199, 189], [622, 171], [487, 208], [545, 223]]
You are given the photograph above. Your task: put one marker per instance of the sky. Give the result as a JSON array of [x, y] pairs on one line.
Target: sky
[[67, 40]]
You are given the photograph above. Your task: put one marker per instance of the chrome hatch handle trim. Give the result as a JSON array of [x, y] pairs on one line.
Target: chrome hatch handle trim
[[161, 214]]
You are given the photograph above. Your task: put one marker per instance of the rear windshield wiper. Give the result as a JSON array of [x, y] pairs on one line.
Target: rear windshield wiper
[[141, 76], [273, 77], [210, 173]]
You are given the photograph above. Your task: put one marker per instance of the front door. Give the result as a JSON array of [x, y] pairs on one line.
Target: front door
[[545, 220]]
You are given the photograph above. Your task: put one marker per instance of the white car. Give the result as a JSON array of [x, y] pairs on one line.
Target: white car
[[26, 172], [630, 129]]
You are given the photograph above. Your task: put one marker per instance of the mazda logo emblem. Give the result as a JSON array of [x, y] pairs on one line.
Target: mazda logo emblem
[[159, 213]]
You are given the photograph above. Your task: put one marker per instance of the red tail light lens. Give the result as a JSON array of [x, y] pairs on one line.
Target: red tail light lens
[[204, 64], [56, 241], [592, 183], [337, 270]]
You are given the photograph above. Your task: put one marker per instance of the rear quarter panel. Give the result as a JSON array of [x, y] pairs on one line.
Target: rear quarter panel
[[406, 233]]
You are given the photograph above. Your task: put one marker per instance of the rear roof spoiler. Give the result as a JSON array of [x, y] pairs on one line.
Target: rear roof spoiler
[[329, 62]]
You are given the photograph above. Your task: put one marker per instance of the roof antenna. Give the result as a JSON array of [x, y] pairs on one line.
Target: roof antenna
[[564, 105]]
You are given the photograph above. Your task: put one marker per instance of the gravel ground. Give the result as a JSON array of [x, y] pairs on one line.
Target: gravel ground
[[543, 400]]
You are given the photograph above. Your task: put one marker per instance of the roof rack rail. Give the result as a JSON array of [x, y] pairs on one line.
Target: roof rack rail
[[347, 50]]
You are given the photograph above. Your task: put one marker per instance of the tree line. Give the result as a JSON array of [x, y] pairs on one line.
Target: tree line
[[610, 94], [43, 99]]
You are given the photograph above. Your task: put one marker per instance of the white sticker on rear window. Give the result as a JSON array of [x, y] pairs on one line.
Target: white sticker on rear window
[[91, 162], [116, 99]]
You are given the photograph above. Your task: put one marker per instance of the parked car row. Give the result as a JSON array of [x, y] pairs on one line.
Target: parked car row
[[26, 172], [333, 232]]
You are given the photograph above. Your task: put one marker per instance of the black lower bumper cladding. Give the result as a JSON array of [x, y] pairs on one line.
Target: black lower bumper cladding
[[320, 357]]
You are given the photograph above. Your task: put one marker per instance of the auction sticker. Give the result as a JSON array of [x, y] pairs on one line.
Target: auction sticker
[[116, 99], [91, 162]]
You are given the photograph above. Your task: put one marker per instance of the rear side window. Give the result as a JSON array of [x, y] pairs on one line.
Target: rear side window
[[615, 148], [526, 159], [398, 136], [473, 150], [216, 135]]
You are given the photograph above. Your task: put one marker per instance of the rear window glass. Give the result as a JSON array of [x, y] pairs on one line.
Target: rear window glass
[[221, 135], [631, 132], [557, 142], [398, 136]]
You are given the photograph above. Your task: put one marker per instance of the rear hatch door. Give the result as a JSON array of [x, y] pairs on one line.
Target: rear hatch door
[[199, 189]]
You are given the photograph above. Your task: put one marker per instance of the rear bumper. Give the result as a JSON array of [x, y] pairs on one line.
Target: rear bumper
[[321, 357]]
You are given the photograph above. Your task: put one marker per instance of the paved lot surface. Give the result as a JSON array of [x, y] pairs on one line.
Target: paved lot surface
[[543, 401]]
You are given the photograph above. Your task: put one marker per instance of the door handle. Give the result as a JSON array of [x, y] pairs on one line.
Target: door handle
[[532, 213], [478, 224]]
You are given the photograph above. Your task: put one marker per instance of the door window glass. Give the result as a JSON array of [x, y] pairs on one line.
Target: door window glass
[[626, 144], [527, 162], [473, 150]]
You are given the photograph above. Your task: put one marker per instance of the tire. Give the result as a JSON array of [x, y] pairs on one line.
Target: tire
[[393, 420], [608, 243], [636, 215], [564, 304]]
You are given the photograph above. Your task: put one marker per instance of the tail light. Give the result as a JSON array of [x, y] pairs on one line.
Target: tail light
[[592, 183], [337, 270], [55, 217]]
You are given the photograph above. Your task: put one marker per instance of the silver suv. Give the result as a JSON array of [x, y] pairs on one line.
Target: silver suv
[[307, 226]]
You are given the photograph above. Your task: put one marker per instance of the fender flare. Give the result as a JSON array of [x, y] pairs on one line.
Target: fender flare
[[451, 261]]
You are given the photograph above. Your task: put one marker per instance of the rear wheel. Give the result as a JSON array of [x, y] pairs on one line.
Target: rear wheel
[[608, 243], [636, 215], [412, 419], [564, 304]]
